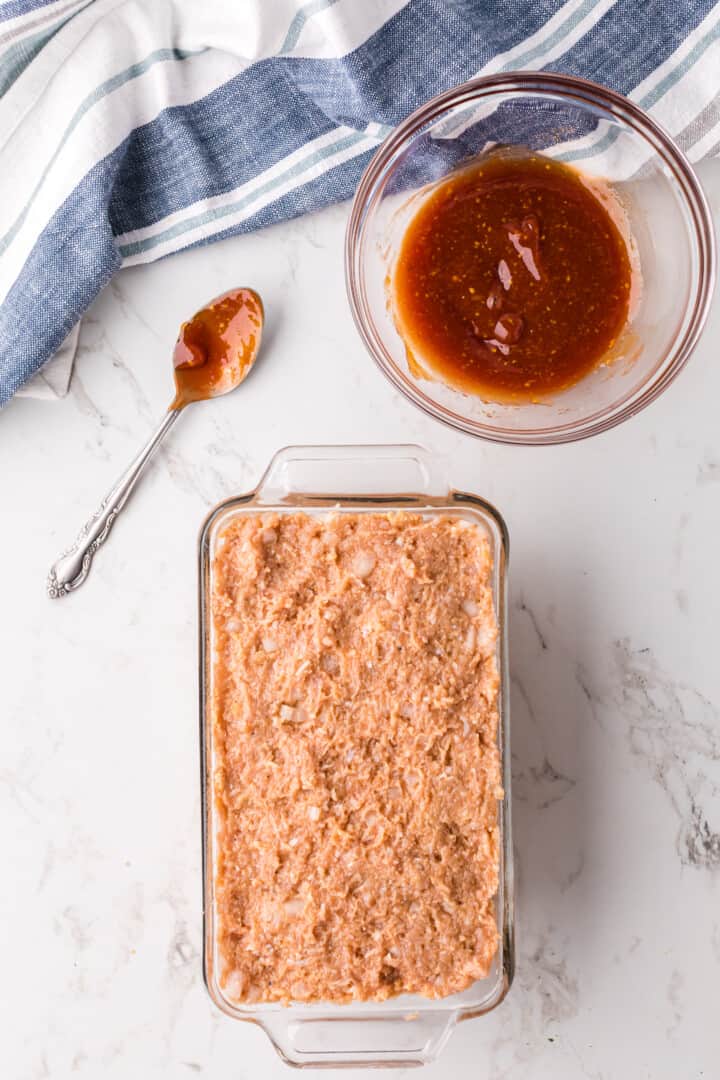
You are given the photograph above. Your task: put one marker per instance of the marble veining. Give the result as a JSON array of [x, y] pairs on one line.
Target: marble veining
[[675, 732]]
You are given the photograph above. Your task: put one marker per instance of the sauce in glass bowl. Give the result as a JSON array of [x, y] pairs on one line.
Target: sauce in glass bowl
[[513, 280]]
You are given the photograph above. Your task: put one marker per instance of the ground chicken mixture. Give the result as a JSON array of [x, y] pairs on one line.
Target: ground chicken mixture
[[357, 771]]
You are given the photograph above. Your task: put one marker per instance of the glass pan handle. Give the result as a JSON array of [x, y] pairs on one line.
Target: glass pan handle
[[362, 1041], [351, 471]]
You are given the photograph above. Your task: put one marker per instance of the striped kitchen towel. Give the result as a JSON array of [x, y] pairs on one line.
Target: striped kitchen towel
[[132, 129]]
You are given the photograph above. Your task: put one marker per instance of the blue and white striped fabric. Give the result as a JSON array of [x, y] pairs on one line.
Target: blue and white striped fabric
[[131, 129]]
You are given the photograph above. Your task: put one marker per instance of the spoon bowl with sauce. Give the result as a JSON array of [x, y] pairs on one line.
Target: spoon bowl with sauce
[[213, 354]]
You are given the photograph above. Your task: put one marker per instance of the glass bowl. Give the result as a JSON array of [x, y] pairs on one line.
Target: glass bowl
[[605, 136]]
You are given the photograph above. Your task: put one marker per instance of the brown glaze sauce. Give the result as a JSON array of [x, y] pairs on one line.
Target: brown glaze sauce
[[513, 280], [216, 348]]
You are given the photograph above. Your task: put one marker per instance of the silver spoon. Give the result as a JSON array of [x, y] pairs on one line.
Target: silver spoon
[[213, 354]]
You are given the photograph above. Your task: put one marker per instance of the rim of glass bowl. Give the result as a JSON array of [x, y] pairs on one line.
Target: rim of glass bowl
[[583, 92]]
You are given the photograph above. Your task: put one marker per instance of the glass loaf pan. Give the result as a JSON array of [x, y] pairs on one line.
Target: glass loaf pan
[[407, 1030]]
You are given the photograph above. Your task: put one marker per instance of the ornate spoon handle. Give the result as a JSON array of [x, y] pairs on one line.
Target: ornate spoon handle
[[73, 566]]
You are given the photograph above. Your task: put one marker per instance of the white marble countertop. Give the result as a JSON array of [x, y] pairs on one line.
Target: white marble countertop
[[615, 578]]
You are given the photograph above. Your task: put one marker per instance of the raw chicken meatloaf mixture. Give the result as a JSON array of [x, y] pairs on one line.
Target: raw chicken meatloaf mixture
[[356, 770]]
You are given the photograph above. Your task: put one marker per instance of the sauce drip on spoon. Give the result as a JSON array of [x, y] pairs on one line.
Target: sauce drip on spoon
[[217, 347]]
